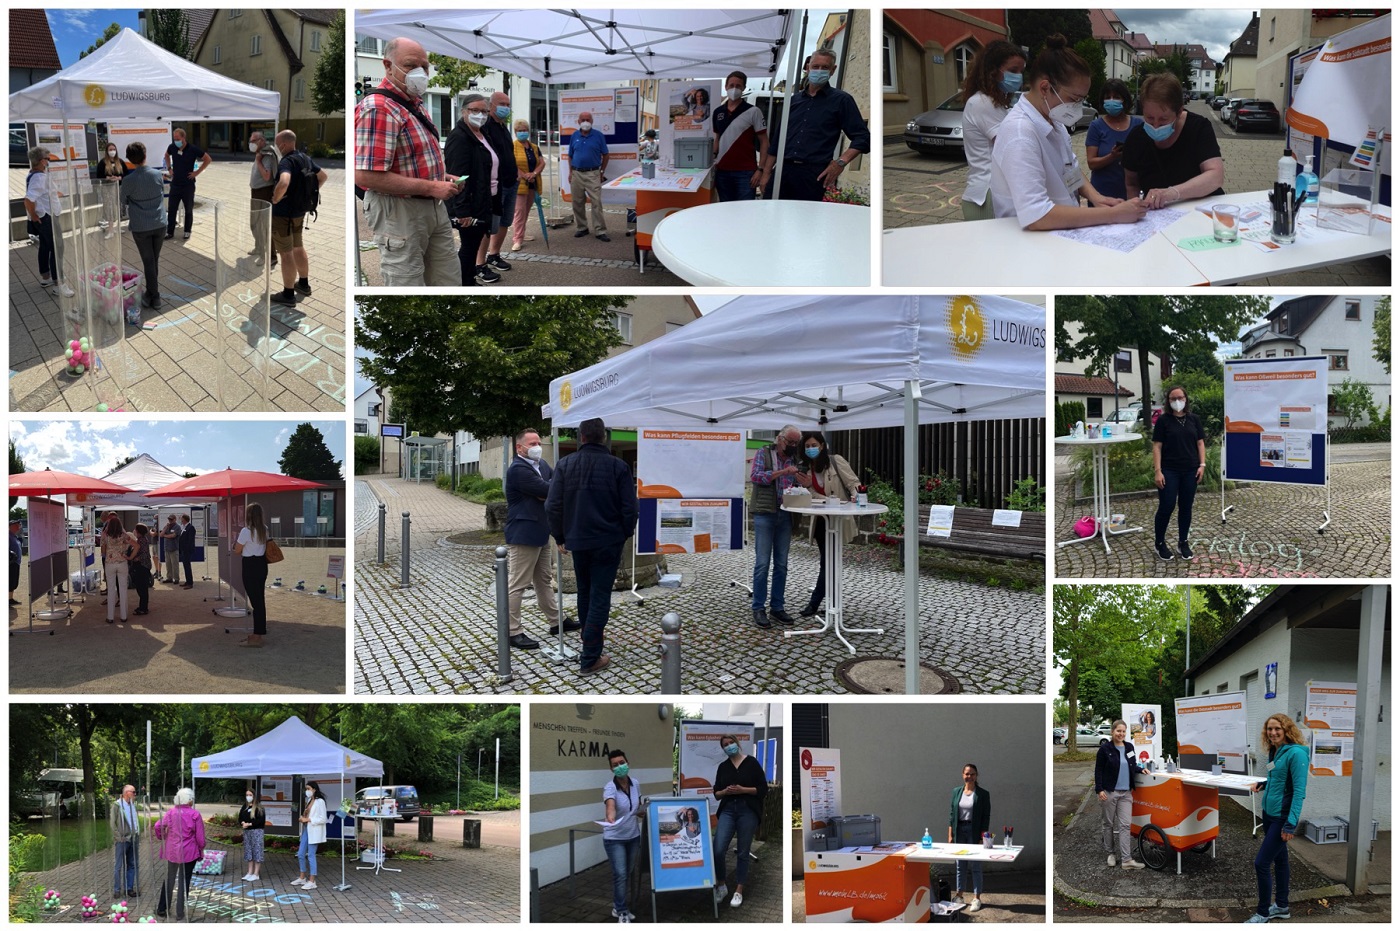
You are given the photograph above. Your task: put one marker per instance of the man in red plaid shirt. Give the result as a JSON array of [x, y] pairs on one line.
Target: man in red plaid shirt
[[399, 163]]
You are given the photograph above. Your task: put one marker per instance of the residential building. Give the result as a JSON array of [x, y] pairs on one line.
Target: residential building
[[1120, 57], [850, 39], [1283, 33], [196, 21], [276, 50], [926, 55], [371, 409], [1340, 328], [1095, 392], [1237, 71], [33, 56], [1324, 633], [1202, 67], [1077, 381]]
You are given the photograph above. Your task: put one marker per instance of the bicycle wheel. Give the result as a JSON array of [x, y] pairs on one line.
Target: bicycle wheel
[[1153, 850]]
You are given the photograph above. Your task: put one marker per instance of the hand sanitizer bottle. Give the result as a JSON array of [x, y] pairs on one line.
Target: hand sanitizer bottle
[[927, 841], [1308, 179]]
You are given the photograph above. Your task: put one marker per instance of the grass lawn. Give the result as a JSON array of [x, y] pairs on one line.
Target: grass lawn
[[65, 841]]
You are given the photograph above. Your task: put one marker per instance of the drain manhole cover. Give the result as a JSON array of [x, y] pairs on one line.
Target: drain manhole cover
[[881, 675]]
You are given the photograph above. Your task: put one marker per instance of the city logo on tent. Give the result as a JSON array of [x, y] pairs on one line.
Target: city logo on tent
[[967, 326], [204, 766], [566, 396], [94, 95]]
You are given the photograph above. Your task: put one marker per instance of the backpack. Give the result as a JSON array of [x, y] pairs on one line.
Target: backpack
[[402, 101], [304, 194]]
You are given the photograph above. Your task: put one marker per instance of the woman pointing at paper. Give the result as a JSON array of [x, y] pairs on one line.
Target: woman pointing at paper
[[1036, 177], [1175, 156]]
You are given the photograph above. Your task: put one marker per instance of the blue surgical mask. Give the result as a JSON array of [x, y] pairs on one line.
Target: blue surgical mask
[[1159, 133], [502, 112], [818, 76], [1113, 107], [523, 137], [733, 749], [179, 144], [812, 452], [1010, 82]]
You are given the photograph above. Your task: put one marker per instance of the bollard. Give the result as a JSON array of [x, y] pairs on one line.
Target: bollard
[[535, 895], [425, 827], [471, 833], [403, 552], [502, 616], [671, 654], [382, 521]]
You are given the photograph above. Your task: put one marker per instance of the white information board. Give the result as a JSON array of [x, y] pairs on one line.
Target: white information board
[[47, 533], [1214, 725], [1144, 730], [700, 755], [1276, 420], [608, 106], [156, 137], [694, 525], [820, 785], [1330, 714], [690, 463]]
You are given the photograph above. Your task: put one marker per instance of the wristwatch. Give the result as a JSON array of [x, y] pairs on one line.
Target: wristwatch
[[842, 162]]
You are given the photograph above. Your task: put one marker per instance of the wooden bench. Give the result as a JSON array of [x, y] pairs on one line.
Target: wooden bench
[[973, 533]]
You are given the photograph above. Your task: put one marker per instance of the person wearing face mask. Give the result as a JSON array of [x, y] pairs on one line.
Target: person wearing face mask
[[820, 114], [42, 205], [832, 476], [184, 163], [313, 834], [775, 469], [992, 79], [1179, 461], [1176, 156], [529, 557], [529, 162], [1103, 140], [740, 785], [253, 819], [143, 195], [622, 835], [110, 169], [262, 181], [1036, 178], [498, 133], [299, 181], [740, 133], [399, 165], [969, 818], [588, 166], [470, 154]]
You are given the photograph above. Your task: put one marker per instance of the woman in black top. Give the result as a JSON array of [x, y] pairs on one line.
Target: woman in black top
[[1173, 155], [468, 154], [740, 785], [1179, 460], [111, 169], [253, 820]]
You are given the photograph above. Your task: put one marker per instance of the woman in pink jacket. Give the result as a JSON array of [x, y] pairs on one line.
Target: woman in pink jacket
[[181, 835]]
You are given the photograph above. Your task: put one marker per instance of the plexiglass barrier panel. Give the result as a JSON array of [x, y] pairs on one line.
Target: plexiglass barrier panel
[[99, 294], [243, 285]]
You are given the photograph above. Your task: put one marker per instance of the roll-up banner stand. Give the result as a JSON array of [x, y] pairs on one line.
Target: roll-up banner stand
[[700, 755]]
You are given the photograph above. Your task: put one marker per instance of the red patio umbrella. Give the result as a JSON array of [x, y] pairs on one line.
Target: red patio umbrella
[[45, 484]]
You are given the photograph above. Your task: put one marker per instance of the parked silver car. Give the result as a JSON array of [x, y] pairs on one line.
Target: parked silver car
[[941, 129]]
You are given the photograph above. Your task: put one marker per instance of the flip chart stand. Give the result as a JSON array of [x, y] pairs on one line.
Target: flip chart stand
[[1326, 484]]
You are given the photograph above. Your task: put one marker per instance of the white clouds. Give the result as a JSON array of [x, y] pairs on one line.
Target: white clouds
[[280, 440], [1215, 29], [75, 19], [70, 446]]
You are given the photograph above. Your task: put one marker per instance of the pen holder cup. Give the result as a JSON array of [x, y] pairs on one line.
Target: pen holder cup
[[1284, 226], [987, 842]]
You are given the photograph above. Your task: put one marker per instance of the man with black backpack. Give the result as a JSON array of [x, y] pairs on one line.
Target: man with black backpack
[[298, 193]]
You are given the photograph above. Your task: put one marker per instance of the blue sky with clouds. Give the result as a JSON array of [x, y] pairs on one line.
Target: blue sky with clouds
[[74, 30], [94, 447]]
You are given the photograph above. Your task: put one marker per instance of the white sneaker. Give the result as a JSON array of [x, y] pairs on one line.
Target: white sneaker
[[187, 234], [298, 881], [1133, 865], [1112, 860], [65, 290], [721, 892], [737, 900], [307, 887], [976, 905], [247, 877]]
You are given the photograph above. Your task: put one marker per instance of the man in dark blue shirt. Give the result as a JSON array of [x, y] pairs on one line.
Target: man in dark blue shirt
[[181, 157], [819, 115], [588, 161]]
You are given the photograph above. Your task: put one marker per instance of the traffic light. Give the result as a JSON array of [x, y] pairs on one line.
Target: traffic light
[[359, 89]]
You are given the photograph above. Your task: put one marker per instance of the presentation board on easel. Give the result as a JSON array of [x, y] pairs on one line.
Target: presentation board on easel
[[690, 490], [48, 546], [1214, 726], [682, 853], [1276, 424]]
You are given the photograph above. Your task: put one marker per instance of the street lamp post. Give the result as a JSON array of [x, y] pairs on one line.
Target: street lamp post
[[479, 752]]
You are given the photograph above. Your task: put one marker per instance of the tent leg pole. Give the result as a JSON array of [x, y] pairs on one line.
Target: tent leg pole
[[794, 51], [911, 538]]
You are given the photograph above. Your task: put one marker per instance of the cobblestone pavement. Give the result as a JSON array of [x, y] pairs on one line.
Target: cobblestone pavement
[[307, 354], [457, 886], [588, 897], [439, 635], [923, 189], [1271, 533], [585, 260]]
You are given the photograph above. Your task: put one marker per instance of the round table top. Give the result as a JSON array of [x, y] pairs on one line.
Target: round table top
[[1098, 440], [371, 817], [767, 243], [845, 509]]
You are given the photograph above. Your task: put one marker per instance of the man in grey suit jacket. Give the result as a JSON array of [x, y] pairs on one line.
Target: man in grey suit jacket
[[125, 823], [529, 555]]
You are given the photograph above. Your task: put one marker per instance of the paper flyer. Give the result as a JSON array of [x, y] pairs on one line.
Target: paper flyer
[[692, 525], [940, 520]]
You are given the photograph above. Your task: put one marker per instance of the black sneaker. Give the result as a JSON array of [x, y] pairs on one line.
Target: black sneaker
[[303, 287], [760, 617], [1164, 553], [498, 263], [782, 617], [484, 275], [577, 235], [285, 298], [1184, 551]]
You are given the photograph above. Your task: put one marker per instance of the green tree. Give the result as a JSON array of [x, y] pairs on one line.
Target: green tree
[[16, 467], [453, 74], [1110, 631], [1029, 28], [1198, 355], [170, 29], [1380, 346], [1091, 50], [481, 364], [1151, 324], [308, 457], [328, 82], [1354, 402], [1176, 63], [108, 33]]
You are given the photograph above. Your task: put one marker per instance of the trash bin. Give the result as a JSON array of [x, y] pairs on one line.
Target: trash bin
[[471, 833]]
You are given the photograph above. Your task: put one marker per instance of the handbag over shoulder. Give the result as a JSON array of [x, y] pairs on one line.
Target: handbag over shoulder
[[273, 552]]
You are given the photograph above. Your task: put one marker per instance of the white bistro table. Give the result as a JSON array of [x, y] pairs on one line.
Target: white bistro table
[[836, 517], [378, 845], [767, 243], [1102, 507], [948, 853]]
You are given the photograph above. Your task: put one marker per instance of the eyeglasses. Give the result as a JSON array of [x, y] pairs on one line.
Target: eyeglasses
[[1063, 99]]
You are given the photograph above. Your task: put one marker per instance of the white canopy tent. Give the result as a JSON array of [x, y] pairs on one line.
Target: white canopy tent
[[832, 363], [141, 474]]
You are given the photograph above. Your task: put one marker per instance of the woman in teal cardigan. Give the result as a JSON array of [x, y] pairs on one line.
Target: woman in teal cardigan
[[969, 818], [1284, 788]]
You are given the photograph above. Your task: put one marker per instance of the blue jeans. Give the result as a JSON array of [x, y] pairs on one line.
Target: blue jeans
[[306, 856], [1272, 852], [738, 819], [1179, 491], [969, 869], [772, 535], [622, 854], [734, 185], [124, 871], [596, 570]]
